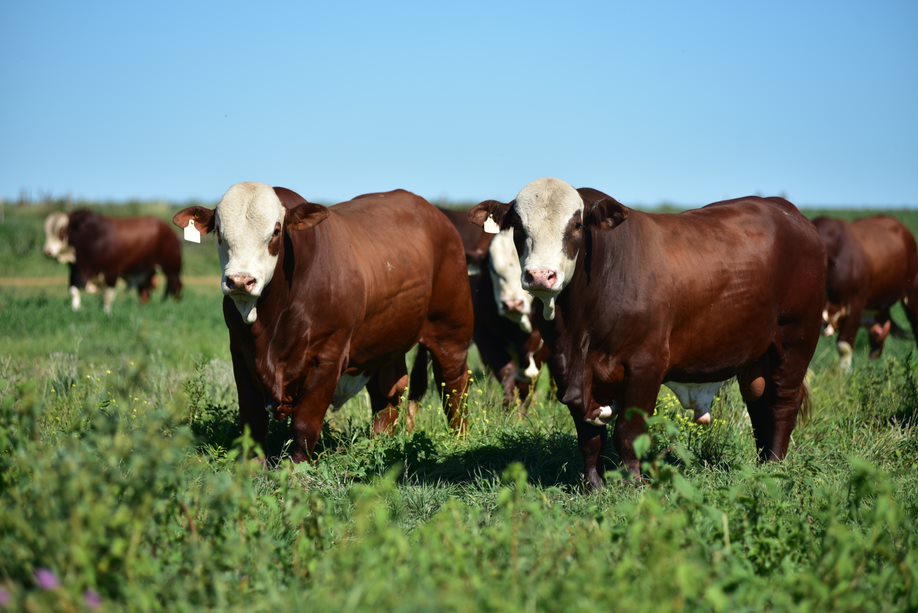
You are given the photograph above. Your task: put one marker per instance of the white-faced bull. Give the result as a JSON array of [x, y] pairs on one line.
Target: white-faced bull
[[631, 300], [322, 301]]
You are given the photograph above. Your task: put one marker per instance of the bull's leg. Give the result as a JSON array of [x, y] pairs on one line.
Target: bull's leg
[[173, 285], [878, 333], [590, 439], [417, 386], [309, 414], [497, 359], [451, 375], [75, 301], [780, 398], [108, 294], [641, 391], [910, 304], [386, 388], [847, 332], [252, 410]]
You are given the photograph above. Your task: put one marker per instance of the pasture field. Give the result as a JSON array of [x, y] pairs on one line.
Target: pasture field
[[125, 484]]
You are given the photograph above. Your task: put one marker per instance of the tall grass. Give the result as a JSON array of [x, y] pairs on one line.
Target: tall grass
[[125, 484]]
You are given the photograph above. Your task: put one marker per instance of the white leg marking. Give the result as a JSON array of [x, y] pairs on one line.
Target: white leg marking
[[532, 371], [697, 397], [108, 297], [606, 414], [74, 298], [844, 353]]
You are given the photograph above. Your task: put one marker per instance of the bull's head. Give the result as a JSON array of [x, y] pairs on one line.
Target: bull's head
[[548, 217], [250, 221], [57, 245]]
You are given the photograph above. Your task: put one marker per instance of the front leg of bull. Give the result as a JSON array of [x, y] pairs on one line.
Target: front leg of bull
[[641, 391], [309, 413]]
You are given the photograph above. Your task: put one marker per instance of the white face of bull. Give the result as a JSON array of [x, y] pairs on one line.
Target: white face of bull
[[56, 245], [249, 220], [513, 302], [549, 211]]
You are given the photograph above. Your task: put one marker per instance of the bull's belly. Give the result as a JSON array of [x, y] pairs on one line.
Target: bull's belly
[[348, 387]]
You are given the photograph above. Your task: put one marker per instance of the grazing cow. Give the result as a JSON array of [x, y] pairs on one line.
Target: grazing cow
[[101, 249], [631, 300], [508, 346], [872, 264], [322, 301]]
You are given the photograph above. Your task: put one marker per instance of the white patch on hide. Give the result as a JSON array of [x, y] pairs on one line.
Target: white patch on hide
[[532, 371], [75, 298], [696, 397], [348, 387], [845, 353], [506, 275], [606, 414]]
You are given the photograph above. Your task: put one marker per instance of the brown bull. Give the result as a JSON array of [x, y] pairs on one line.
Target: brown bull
[[872, 265], [324, 301], [631, 300]]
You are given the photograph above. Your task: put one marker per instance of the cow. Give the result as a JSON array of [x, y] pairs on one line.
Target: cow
[[872, 265], [100, 250], [503, 333], [630, 300], [321, 302]]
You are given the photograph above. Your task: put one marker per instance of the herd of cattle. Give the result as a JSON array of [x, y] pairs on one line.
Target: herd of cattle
[[321, 302]]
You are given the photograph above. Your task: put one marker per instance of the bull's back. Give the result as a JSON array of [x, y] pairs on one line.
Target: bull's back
[[141, 243], [737, 269], [398, 246], [891, 257]]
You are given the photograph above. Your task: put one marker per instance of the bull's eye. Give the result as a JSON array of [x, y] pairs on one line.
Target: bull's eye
[[277, 231], [578, 225]]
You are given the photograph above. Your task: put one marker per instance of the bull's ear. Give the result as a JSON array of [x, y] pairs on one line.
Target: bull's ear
[[491, 215], [606, 213], [305, 215], [203, 218]]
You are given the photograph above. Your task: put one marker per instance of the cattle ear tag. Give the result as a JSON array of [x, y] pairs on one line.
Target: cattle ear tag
[[191, 233], [490, 226]]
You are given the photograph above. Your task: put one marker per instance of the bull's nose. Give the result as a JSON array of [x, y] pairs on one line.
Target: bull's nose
[[540, 278], [514, 305], [243, 283]]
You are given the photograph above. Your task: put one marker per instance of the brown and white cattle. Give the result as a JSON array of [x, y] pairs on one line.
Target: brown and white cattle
[[506, 342], [100, 250], [321, 302], [631, 300], [872, 265]]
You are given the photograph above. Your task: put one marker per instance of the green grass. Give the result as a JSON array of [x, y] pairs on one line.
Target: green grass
[[123, 473]]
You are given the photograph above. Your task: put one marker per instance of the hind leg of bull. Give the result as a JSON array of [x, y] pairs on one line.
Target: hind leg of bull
[[309, 414], [847, 332], [451, 375], [774, 412], [173, 286], [591, 439], [878, 332], [910, 304], [386, 388], [108, 294], [417, 385]]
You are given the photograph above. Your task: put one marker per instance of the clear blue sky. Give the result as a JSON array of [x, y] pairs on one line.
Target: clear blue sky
[[683, 101]]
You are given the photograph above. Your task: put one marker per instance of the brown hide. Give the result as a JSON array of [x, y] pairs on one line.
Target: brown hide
[[116, 247], [733, 289], [872, 264], [350, 295], [504, 347]]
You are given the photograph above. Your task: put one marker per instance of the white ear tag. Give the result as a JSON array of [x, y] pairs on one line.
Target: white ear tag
[[191, 233], [490, 226]]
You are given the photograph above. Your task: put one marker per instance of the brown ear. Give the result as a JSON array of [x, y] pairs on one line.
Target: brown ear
[[203, 218], [305, 215], [497, 211], [606, 213]]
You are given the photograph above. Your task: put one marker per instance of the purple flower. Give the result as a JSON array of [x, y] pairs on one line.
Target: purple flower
[[46, 579], [92, 599], [4, 597]]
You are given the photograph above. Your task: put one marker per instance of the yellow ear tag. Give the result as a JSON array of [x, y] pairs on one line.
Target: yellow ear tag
[[490, 226], [192, 235]]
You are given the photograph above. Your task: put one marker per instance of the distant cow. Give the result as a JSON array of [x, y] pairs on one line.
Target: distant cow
[[102, 249], [508, 345], [322, 301], [631, 300], [872, 264]]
